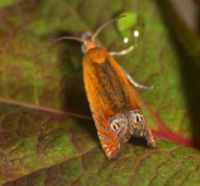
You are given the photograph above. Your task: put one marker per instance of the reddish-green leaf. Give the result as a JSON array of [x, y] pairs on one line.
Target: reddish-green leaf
[[41, 86]]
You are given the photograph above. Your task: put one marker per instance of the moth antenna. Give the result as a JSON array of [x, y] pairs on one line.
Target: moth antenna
[[68, 38], [107, 23]]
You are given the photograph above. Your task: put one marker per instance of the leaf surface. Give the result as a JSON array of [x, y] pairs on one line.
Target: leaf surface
[[41, 87]]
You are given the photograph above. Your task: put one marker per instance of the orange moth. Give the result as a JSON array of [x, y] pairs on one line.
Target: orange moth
[[111, 96]]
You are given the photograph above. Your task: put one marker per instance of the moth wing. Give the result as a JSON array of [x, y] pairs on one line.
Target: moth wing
[[108, 139], [100, 107]]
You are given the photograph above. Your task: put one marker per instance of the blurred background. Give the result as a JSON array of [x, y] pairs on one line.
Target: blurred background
[[189, 11]]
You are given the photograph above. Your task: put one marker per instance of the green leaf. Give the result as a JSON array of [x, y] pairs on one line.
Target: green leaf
[[173, 165], [47, 136], [6, 3]]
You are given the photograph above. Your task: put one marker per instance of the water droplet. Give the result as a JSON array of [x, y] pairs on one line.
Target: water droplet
[[136, 33], [130, 28], [126, 40]]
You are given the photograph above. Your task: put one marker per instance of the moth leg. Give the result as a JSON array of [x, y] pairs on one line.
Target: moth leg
[[135, 83], [122, 52], [130, 79]]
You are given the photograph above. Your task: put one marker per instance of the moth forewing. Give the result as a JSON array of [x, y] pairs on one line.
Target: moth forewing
[[113, 102]]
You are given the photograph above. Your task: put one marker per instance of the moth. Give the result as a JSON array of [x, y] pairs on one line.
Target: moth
[[111, 96]]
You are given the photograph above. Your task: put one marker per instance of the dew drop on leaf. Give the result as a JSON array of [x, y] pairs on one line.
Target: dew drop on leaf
[[131, 28]]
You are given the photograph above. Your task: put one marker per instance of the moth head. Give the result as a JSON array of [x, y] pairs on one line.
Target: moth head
[[88, 42], [88, 38]]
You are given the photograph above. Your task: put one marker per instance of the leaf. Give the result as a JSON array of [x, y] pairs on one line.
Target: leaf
[[31, 139], [6, 3], [172, 166], [41, 86]]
